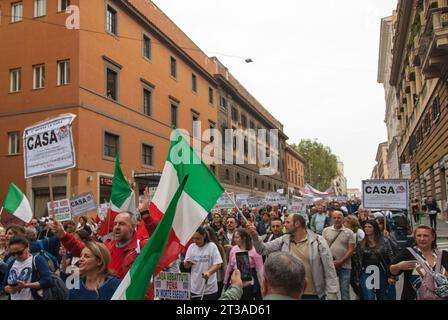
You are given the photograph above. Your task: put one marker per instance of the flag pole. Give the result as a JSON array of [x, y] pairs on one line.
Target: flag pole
[[50, 185], [234, 203], [1, 210]]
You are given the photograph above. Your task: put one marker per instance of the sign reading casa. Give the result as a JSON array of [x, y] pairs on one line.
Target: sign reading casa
[[385, 194], [48, 146]]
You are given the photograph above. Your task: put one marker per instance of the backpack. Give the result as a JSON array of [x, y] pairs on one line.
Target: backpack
[[51, 259], [58, 291], [434, 285]]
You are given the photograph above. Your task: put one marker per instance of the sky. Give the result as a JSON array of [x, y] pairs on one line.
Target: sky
[[314, 67]]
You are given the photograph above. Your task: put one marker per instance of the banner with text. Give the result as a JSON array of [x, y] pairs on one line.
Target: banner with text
[[82, 204], [61, 210], [172, 286], [224, 202], [48, 146], [385, 194], [275, 198]]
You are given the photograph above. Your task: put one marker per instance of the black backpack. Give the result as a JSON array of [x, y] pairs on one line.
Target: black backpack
[[58, 291]]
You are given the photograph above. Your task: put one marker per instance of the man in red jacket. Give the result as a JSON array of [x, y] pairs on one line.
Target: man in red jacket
[[124, 249]]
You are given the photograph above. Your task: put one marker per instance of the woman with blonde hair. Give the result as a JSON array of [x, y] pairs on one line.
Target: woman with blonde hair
[[96, 282]]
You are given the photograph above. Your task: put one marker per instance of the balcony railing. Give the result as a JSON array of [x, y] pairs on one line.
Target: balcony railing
[[433, 44]]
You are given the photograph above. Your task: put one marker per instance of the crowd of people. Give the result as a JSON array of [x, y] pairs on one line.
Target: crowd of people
[[312, 256]]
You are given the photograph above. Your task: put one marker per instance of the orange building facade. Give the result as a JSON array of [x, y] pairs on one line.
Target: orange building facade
[[295, 171], [124, 74]]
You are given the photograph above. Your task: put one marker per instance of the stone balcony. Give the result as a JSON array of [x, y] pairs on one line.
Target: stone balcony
[[433, 44]]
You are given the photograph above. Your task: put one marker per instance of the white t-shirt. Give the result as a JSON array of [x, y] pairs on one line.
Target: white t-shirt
[[203, 258], [21, 270]]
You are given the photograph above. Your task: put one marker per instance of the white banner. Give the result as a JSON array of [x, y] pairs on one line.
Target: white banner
[[48, 146], [82, 204], [255, 202], [241, 199], [385, 194], [274, 198], [172, 286], [61, 210], [296, 207], [224, 202]]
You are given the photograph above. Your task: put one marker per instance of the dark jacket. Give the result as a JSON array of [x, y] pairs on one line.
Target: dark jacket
[[51, 245], [262, 229], [104, 292], [385, 256]]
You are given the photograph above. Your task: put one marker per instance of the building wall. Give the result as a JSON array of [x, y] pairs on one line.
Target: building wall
[[85, 95], [295, 171], [246, 178], [89, 52], [340, 182]]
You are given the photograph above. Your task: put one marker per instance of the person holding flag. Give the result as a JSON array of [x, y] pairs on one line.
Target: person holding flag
[[127, 242], [187, 191]]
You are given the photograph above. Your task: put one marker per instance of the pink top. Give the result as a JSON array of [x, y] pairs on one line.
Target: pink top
[[256, 261]]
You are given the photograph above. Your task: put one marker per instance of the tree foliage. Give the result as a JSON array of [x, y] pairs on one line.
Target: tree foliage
[[320, 163]]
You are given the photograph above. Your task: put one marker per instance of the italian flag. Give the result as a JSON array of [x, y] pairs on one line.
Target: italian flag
[[17, 204], [179, 207], [122, 199]]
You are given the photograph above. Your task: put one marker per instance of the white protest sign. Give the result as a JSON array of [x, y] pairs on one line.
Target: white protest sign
[[82, 204], [61, 210], [224, 202], [172, 286], [241, 199], [296, 207], [385, 194], [275, 198], [48, 146], [255, 202]]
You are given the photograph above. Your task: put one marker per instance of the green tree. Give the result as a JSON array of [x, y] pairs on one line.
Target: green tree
[[320, 163]]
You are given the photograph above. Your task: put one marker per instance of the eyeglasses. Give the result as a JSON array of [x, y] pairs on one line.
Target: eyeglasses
[[18, 253]]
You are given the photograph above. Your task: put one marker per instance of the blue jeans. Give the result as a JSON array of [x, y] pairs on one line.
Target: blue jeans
[[374, 293], [391, 292], [344, 282]]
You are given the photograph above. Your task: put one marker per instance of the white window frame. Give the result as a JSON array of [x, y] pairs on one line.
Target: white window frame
[[106, 132], [15, 143], [144, 38], [39, 76], [173, 59], [211, 96], [40, 8], [196, 134], [194, 83], [15, 83], [16, 17], [145, 87], [151, 147], [109, 30], [66, 65]]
